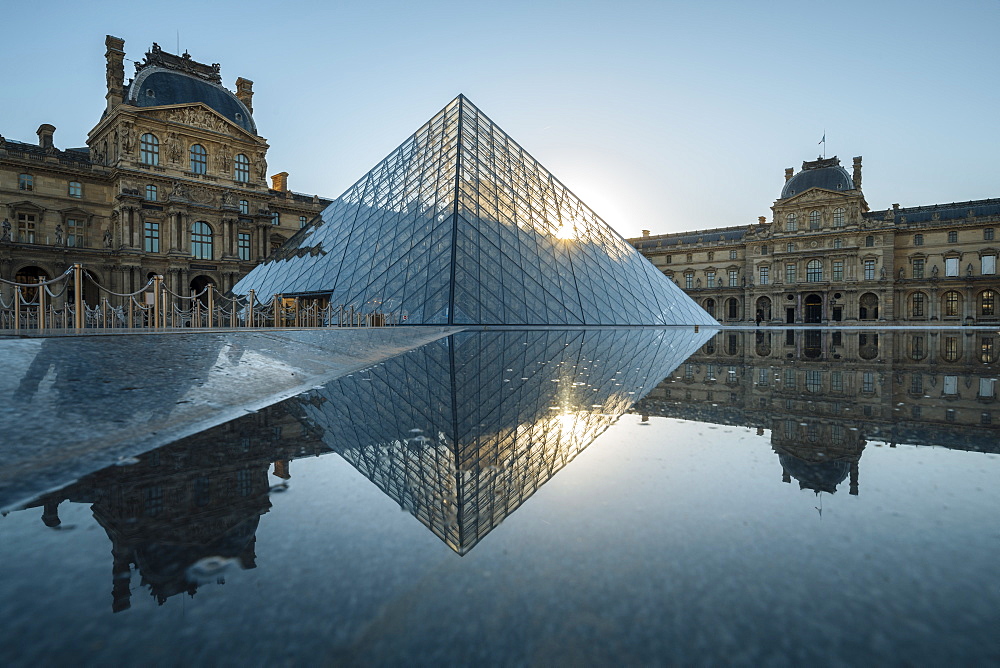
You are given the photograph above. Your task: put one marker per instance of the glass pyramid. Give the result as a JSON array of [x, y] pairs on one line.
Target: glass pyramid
[[459, 225]]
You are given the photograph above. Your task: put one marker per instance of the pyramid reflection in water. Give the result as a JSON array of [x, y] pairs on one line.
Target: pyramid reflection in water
[[462, 431], [459, 225]]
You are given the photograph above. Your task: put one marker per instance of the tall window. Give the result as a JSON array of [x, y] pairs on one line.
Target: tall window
[[917, 352], [25, 182], [789, 248], [710, 275], [241, 168], [244, 207], [814, 271], [814, 220], [243, 246], [76, 233], [276, 220], [988, 234], [988, 265], [869, 241], [732, 255], [199, 159], [790, 273], [151, 194], [764, 275], [951, 266], [952, 304], [838, 243], [918, 240], [733, 308], [303, 219], [75, 189], [688, 281], [987, 303], [869, 270], [838, 270], [838, 217], [763, 250], [837, 381], [951, 349], [868, 382], [26, 228], [814, 380], [201, 241], [791, 222], [149, 149], [953, 237], [734, 278], [918, 267], [917, 305], [151, 233]]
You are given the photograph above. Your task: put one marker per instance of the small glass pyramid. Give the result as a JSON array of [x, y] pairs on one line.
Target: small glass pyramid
[[459, 225]]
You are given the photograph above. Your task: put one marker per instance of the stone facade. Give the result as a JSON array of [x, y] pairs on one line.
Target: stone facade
[[173, 181], [826, 258]]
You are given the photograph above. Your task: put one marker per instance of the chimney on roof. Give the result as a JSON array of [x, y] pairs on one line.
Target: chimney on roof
[[857, 173], [761, 220], [244, 92], [645, 233], [788, 173], [279, 182], [45, 132], [115, 72]]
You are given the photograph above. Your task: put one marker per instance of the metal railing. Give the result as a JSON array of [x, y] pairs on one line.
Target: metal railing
[[59, 304]]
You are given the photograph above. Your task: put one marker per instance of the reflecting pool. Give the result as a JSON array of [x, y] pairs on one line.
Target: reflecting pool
[[567, 496]]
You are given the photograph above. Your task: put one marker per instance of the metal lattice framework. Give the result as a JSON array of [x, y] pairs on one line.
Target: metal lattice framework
[[459, 225], [462, 431]]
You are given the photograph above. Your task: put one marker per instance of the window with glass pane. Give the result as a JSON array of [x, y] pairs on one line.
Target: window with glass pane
[[243, 246], [838, 217], [276, 218], [951, 266], [918, 240], [25, 182], [814, 380], [241, 168], [762, 377], [791, 222], [837, 381], [151, 234], [988, 234], [917, 303], [838, 243], [199, 159], [76, 233], [151, 193], [26, 228], [814, 271], [838, 270], [302, 223], [789, 381], [868, 381], [987, 353], [814, 220], [917, 350], [732, 255], [789, 248], [789, 273], [710, 275], [764, 275], [988, 265], [688, 281], [244, 207], [734, 278], [987, 303], [149, 149], [869, 241], [917, 382], [952, 300], [953, 237], [950, 348], [201, 241], [918, 267], [75, 189], [869, 270]]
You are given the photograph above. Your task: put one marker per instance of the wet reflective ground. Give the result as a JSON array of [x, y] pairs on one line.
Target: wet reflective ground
[[607, 496]]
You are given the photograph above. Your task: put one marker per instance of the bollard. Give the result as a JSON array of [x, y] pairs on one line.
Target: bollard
[[78, 295]]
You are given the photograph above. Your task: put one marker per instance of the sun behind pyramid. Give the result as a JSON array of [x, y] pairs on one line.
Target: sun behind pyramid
[[460, 225]]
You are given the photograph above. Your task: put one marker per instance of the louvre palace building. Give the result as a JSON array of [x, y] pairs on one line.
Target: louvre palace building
[[825, 258], [172, 181]]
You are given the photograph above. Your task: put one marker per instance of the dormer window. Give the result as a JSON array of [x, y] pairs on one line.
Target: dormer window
[[239, 116], [150, 92]]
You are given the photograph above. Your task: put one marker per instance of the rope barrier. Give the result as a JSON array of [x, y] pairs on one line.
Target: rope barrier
[[35, 285]]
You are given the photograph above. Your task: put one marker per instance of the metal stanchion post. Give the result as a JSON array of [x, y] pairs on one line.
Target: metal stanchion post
[[78, 321], [17, 307], [156, 300], [250, 309], [41, 306]]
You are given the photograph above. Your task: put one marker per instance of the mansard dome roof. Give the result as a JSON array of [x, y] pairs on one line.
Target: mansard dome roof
[[158, 86], [823, 173]]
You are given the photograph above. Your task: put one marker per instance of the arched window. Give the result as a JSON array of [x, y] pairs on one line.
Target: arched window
[[918, 305], [952, 304], [25, 182], [987, 303], [75, 189], [201, 241], [814, 271], [814, 220], [149, 149], [709, 306], [241, 168], [151, 193], [732, 309], [199, 159], [838, 217], [791, 222]]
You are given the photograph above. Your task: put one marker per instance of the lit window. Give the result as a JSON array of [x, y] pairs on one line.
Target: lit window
[[838, 217], [149, 149], [732, 255], [75, 189], [151, 194], [918, 267], [814, 220], [988, 234], [151, 235], [303, 220], [76, 233], [987, 352], [201, 241], [25, 182], [791, 222], [917, 305], [869, 270], [814, 271], [244, 207], [952, 304], [987, 303], [764, 275], [790, 273], [951, 266], [838, 270], [918, 240], [734, 279], [243, 246], [989, 264], [199, 159], [241, 168], [953, 237]]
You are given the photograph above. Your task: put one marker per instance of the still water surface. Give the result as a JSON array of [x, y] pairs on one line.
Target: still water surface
[[553, 497]]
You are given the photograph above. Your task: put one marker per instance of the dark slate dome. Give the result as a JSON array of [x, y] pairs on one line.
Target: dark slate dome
[[823, 173], [157, 86], [817, 476]]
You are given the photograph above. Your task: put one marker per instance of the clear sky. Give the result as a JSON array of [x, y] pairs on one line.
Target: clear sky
[[666, 116]]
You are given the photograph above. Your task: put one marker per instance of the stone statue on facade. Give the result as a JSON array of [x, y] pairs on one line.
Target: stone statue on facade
[[222, 159], [107, 237], [59, 235], [128, 138], [261, 165], [227, 198], [174, 147]]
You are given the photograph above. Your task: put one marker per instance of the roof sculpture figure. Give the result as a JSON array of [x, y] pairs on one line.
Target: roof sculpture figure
[[459, 225]]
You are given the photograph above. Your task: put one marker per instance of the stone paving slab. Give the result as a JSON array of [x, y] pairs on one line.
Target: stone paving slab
[[77, 404]]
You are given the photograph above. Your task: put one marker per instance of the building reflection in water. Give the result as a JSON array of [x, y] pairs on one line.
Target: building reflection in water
[[824, 394], [459, 432]]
